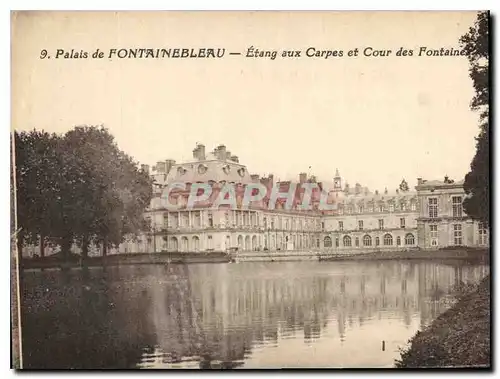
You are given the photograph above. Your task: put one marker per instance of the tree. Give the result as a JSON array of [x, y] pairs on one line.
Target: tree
[[110, 193], [477, 181], [403, 186], [36, 170], [78, 188]]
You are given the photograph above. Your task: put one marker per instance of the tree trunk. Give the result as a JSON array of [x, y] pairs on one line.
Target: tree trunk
[[19, 242], [105, 247], [66, 247], [42, 246], [85, 247]]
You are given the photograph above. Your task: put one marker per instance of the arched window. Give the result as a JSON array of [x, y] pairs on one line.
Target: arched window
[[409, 239], [254, 243], [398, 241], [196, 243], [240, 242], [388, 240], [367, 240], [347, 241], [327, 242], [184, 244], [174, 245], [247, 243]]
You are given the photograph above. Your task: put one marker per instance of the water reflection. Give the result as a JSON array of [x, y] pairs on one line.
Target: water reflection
[[290, 314]]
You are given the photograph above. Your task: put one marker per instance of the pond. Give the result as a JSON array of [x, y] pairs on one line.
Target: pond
[[247, 315]]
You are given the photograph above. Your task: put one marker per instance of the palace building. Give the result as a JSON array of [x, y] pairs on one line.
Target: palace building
[[429, 217]]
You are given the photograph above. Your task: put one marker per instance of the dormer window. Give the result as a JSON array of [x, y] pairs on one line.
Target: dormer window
[[226, 169], [181, 170], [202, 169], [241, 172]]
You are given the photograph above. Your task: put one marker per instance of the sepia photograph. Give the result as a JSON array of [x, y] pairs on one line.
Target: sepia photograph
[[223, 190]]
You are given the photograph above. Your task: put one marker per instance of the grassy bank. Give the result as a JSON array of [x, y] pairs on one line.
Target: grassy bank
[[125, 259], [460, 337], [473, 255]]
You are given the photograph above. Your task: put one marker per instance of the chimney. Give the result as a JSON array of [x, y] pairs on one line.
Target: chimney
[[145, 168], [385, 191], [201, 152], [168, 165], [255, 178], [196, 152], [376, 192], [228, 156], [221, 152], [160, 167], [302, 177], [446, 179], [234, 158], [271, 178], [419, 181], [357, 189]]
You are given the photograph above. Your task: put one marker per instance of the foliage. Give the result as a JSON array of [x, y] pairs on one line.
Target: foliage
[[36, 183], [78, 187], [460, 337], [477, 186], [403, 186]]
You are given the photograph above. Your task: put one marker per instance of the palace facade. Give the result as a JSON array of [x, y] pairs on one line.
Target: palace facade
[[429, 217]]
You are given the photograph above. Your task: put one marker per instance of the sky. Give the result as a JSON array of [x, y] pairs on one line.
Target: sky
[[377, 119]]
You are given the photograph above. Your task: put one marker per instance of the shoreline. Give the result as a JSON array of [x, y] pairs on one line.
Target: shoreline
[[477, 256], [459, 337]]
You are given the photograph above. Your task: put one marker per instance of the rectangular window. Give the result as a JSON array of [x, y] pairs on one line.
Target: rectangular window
[[403, 206], [360, 209], [210, 243], [483, 234], [433, 207], [457, 206], [336, 242], [402, 222], [391, 207], [165, 220], [357, 241], [381, 224], [322, 226], [360, 224], [341, 225], [210, 220], [457, 234], [413, 206], [380, 208], [433, 234], [349, 209]]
